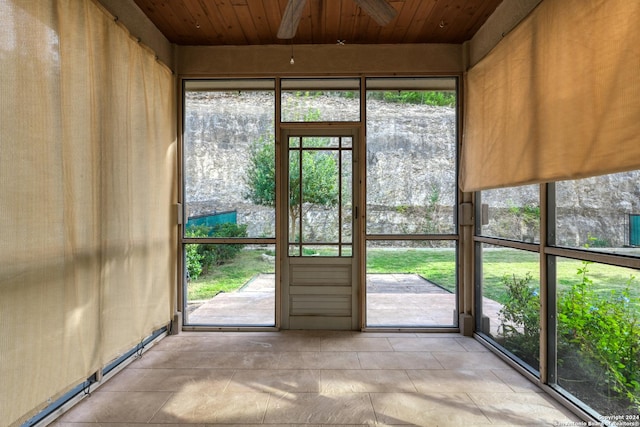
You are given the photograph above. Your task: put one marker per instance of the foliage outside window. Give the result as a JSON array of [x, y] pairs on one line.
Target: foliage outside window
[[201, 257], [598, 332], [599, 339]]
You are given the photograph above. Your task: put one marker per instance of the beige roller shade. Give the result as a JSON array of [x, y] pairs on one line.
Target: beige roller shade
[[87, 169], [558, 98]]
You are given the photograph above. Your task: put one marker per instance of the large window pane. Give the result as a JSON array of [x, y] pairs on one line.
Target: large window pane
[[600, 213], [512, 213], [511, 301], [229, 161], [320, 100], [230, 284], [411, 283], [598, 338], [411, 162]]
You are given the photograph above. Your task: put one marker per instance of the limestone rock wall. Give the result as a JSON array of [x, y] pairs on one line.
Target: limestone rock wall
[[411, 174]]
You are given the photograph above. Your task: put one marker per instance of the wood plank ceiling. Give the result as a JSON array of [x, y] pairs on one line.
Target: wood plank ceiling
[[256, 22]]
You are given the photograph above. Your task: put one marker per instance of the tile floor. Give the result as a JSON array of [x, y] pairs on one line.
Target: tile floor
[[313, 378]]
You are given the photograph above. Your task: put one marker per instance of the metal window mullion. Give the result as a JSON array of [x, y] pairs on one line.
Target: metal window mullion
[[514, 244], [340, 196], [477, 264], [550, 373], [411, 237], [594, 256], [546, 310], [301, 160]]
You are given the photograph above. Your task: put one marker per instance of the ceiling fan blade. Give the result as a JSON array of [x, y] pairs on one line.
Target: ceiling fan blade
[[291, 19], [379, 10]]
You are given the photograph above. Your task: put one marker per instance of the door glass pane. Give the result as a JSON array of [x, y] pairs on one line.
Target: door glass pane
[[411, 162], [411, 283], [346, 199], [320, 192], [321, 142]]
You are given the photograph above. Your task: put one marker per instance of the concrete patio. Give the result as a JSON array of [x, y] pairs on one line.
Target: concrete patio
[[393, 300]]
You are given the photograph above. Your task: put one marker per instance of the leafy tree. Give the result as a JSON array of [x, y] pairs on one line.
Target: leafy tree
[[319, 177], [319, 184], [260, 178]]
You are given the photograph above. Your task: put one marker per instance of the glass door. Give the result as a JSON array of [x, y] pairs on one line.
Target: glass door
[[320, 286]]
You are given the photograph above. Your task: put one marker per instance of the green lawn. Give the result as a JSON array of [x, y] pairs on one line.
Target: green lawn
[[230, 276], [500, 262], [436, 265]]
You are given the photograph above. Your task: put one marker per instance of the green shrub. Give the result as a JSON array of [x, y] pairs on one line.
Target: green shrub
[[225, 253], [598, 333], [202, 256], [193, 256], [520, 318], [194, 261], [604, 328]]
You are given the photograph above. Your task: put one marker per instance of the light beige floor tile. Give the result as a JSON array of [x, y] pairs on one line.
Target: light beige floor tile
[[182, 343], [516, 381], [64, 424], [319, 360], [168, 359], [363, 380], [275, 381], [355, 344], [425, 344], [436, 409], [262, 343], [470, 360], [229, 333], [168, 379], [437, 335], [390, 334], [212, 407], [238, 360], [305, 408], [455, 381], [300, 343], [315, 378], [471, 344], [218, 342], [320, 333], [517, 409], [117, 407], [398, 360]]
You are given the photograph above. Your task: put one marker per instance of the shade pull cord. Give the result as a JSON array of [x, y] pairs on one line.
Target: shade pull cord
[[139, 349], [86, 388]]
